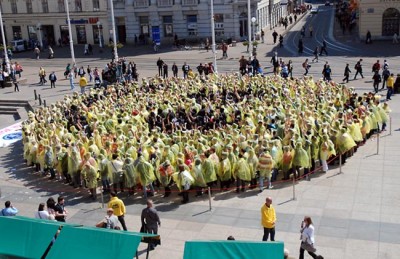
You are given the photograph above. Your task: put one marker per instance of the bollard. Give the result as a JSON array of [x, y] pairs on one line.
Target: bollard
[[34, 92], [209, 197], [40, 100], [340, 163], [44, 103], [294, 188], [377, 144], [102, 199]]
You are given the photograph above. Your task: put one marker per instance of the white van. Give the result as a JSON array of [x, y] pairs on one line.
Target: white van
[[18, 45]]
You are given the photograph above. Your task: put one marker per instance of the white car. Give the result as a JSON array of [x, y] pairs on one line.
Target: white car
[[314, 10]]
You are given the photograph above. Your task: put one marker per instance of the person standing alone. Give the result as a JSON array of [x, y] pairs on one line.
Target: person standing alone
[[307, 239], [268, 219], [150, 220]]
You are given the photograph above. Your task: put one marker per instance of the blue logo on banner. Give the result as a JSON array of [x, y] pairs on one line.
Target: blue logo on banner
[[13, 136]]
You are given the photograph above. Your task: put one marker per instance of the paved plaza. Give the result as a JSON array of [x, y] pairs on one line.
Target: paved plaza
[[356, 213]]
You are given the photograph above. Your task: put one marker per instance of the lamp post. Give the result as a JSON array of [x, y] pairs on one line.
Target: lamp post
[[6, 60], [71, 42], [98, 28], [39, 31], [249, 28], [113, 28], [253, 21], [213, 36]]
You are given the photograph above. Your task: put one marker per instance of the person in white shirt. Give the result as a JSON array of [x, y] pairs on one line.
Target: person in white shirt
[[307, 239], [42, 213]]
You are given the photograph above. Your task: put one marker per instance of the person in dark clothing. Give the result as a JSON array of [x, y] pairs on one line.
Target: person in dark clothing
[[323, 48], [61, 212], [185, 70], [300, 46], [275, 36], [175, 70], [160, 64], [165, 70], [280, 41], [52, 79], [200, 69], [358, 68], [347, 72], [385, 76], [150, 220], [376, 80]]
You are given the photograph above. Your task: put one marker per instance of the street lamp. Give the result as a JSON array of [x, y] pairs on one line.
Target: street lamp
[[253, 21], [113, 28], [71, 42], [249, 28], [6, 60], [98, 28], [213, 36]]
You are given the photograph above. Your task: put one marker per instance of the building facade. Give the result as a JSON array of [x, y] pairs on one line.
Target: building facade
[[380, 17], [45, 21], [189, 19]]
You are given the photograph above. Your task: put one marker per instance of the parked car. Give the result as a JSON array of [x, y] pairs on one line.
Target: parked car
[[314, 10], [18, 45]]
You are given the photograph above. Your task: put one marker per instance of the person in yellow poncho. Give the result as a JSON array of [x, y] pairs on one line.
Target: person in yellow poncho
[[105, 172], [264, 167], [327, 149], [197, 174], [146, 175], [225, 171], [184, 181], [166, 171], [301, 159], [344, 144], [91, 179], [209, 170], [287, 160], [129, 177], [241, 173]]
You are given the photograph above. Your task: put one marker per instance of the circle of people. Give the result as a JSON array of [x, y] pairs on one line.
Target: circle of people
[[195, 133]]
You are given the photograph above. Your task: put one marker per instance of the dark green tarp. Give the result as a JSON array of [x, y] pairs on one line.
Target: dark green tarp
[[28, 238], [85, 242], [233, 249]]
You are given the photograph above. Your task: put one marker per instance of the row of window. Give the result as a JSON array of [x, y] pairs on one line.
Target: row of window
[[48, 34], [75, 7], [191, 22]]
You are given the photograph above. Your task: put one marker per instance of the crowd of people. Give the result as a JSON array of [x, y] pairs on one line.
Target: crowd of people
[[196, 132]]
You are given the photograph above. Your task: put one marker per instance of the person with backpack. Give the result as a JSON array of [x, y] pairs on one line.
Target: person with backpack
[[358, 68], [385, 76]]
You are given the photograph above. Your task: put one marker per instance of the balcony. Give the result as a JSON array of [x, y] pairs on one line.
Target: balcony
[[190, 2], [141, 3], [165, 3]]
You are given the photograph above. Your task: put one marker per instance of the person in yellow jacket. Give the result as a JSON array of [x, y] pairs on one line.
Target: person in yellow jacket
[[268, 219], [119, 209], [83, 84]]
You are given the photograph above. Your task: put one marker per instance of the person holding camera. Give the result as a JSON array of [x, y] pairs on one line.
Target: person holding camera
[[9, 210], [307, 239]]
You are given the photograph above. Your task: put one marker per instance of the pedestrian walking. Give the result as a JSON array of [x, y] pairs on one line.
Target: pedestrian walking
[[328, 73], [310, 29], [60, 211], [280, 41], [376, 78], [224, 50], [15, 82], [150, 220], [37, 52], [268, 220], [52, 79], [308, 239], [385, 76], [306, 66], [358, 68], [262, 36], [395, 38], [118, 207], [390, 86], [368, 38], [315, 54], [9, 209], [42, 76], [71, 80], [90, 73], [347, 72], [300, 46], [323, 48], [51, 53], [274, 36]]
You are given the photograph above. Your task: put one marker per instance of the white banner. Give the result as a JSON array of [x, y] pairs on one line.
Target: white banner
[[10, 134]]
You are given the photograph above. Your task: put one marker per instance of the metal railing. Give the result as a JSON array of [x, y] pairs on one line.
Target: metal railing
[[164, 3]]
